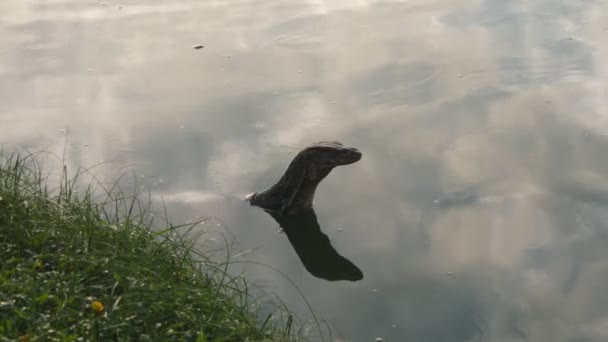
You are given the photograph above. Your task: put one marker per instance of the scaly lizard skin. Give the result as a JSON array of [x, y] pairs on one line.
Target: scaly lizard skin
[[296, 189]]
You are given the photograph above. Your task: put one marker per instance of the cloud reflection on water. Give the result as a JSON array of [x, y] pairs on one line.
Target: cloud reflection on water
[[505, 100]]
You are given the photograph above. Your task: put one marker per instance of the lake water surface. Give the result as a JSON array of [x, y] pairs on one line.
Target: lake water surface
[[478, 211]]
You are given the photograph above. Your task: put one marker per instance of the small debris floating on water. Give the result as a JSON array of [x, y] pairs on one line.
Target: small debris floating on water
[[280, 230], [198, 46], [379, 339], [449, 273], [374, 290], [90, 70], [340, 229], [62, 130]]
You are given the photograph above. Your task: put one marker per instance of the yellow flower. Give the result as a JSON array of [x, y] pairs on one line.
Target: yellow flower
[[97, 306]]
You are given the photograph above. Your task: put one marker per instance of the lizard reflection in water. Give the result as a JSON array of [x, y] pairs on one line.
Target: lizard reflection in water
[[313, 247], [289, 202]]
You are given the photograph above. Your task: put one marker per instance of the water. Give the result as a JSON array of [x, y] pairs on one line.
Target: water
[[477, 212]]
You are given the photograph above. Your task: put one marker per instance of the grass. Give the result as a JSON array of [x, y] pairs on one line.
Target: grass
[[79, 266]]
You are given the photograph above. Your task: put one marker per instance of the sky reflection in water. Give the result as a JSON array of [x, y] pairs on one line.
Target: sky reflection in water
[[478, 211]]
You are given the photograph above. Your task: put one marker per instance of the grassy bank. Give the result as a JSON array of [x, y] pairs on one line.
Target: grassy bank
[[76, 267]]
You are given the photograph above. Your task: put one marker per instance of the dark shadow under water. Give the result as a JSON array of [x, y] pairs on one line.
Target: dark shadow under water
[[313, 247]]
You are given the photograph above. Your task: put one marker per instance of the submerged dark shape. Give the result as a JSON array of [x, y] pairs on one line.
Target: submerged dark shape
[[457, 199], [289, 202], [314, 248], [296, 189]]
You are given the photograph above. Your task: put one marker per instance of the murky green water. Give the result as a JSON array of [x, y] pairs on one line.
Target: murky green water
[[478, 210]]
